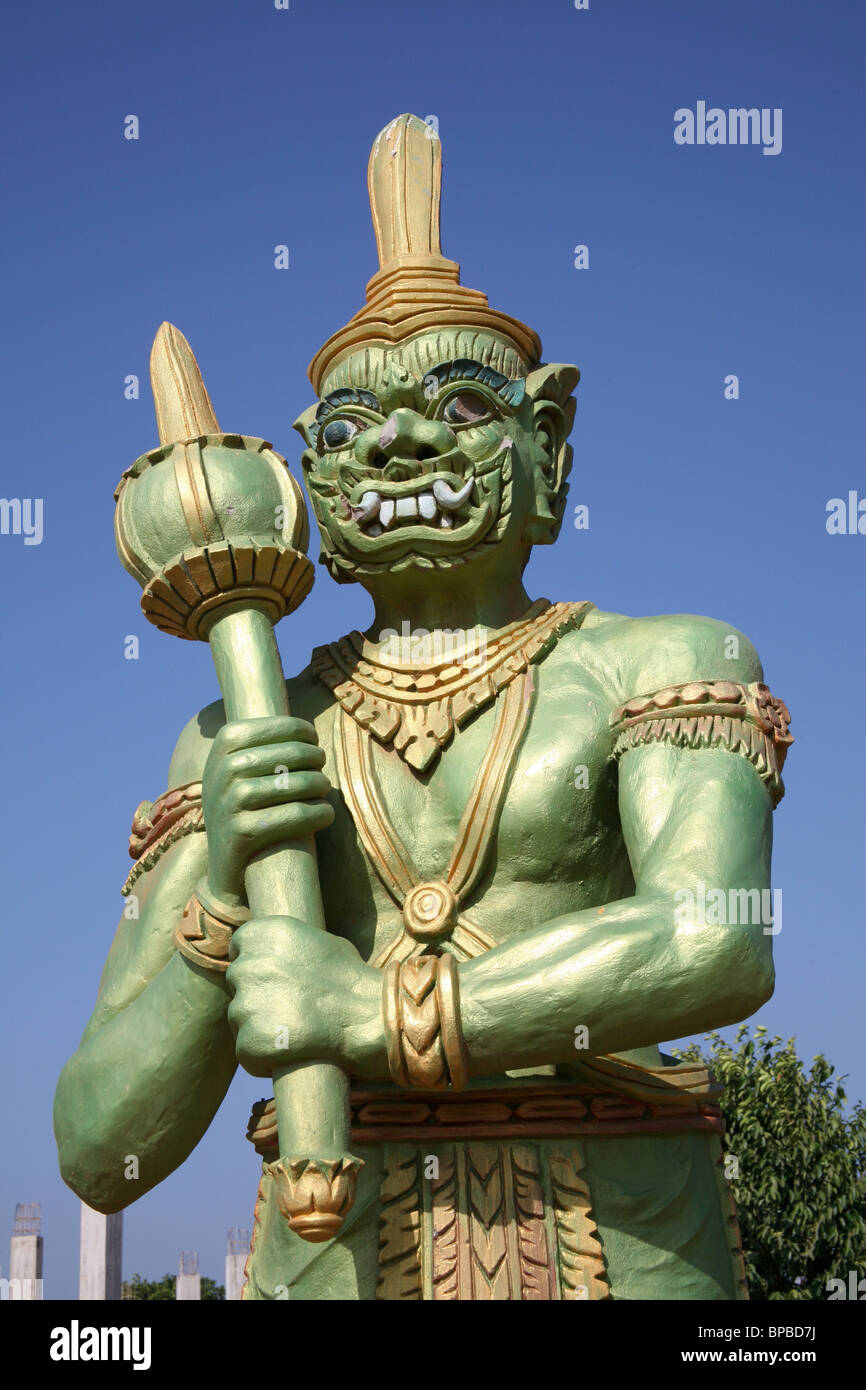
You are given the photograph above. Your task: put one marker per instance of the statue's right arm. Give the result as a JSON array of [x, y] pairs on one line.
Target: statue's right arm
[[157, 1056]]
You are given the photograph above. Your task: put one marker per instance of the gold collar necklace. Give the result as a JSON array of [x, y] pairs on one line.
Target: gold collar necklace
[[415, 707]]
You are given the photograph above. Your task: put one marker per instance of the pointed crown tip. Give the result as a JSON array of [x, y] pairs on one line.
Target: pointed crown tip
[[406, 118], [165, 334], [416, 287]]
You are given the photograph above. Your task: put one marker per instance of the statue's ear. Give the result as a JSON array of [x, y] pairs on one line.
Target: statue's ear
[[550, 389], [306, 424]]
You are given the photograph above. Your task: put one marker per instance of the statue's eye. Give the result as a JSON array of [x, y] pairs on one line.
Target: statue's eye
[[466, 408], [338, 433]]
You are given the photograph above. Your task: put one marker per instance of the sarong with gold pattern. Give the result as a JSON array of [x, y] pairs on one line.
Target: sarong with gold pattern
[[605, 1180]]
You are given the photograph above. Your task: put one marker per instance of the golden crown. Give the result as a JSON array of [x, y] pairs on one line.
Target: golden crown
[[415, 287]]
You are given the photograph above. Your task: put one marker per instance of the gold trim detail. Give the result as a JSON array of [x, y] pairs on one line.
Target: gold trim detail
[[184, 593], [744, 719], [450, 1028], [535, 1254], [400, 1276], [203, 938], [204, 932], [430, 908], [415, 709], [185, 596], [422, 1024], [315, 1194], [159, 824], [581, 1269], [512, 1113], [490, 1223]]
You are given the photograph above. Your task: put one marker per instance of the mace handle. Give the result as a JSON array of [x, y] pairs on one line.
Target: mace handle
[[316, 1174]]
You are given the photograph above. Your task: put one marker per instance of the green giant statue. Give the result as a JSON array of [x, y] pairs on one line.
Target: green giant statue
[[452, 884]]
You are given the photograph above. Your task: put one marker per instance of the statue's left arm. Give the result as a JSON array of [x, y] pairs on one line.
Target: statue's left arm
[[645, 968], [698, 778]]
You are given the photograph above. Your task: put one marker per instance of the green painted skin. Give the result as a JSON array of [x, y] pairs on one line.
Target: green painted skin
[[580, 895]]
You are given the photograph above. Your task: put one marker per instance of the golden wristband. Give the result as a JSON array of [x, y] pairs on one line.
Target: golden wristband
[[448, 994], [422, 1024], [203, 934], [391, 1007]]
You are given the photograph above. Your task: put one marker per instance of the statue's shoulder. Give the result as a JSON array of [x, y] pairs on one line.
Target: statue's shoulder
[[306, 694], [639, 655]]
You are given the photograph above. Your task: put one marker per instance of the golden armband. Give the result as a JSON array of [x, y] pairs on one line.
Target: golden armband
[[745, 719], [422, 1023], [157, 825]]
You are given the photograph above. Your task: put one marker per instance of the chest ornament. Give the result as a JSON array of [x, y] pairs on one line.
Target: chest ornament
[[432, 909], [414, 708]]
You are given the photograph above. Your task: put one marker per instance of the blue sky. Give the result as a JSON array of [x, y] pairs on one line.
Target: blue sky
[[557, 128]]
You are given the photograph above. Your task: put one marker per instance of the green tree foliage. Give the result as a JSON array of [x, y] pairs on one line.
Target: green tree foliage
[[157, 1290], [797, 1163]]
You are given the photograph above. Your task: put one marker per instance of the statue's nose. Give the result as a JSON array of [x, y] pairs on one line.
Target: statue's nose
[[407, 436]]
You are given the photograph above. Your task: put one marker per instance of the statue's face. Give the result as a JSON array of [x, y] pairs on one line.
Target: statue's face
[[417, 466]]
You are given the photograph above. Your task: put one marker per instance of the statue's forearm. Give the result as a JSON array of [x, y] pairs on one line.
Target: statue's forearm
[[143, 1087], [627, 973]]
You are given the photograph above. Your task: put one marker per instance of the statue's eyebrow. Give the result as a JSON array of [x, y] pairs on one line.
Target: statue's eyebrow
[[346, 395], [467, 369]]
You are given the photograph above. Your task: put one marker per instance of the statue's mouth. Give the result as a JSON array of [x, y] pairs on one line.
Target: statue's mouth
[[419, 498], [435, 508], [435, 502]]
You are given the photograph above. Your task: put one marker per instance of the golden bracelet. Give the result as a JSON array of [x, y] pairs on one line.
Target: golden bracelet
[[448, 995], [203, 934], [422, 1023]]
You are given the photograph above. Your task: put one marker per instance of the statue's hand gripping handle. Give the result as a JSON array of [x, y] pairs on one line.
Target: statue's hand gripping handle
[[316, 1175]]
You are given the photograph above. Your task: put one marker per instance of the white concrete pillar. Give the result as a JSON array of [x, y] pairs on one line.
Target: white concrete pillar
[[188, 1277], [25, 1257], [25, 1253], [236, 1257], [101, 1255]]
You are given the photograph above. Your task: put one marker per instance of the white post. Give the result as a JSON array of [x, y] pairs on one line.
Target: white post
[[25, 1253], [188, 1277], [101, 1255], [236, 1257]]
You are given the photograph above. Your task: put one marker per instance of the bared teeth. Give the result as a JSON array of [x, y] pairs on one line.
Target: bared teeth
[[369, 507], [376, 514], [447, 498]]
